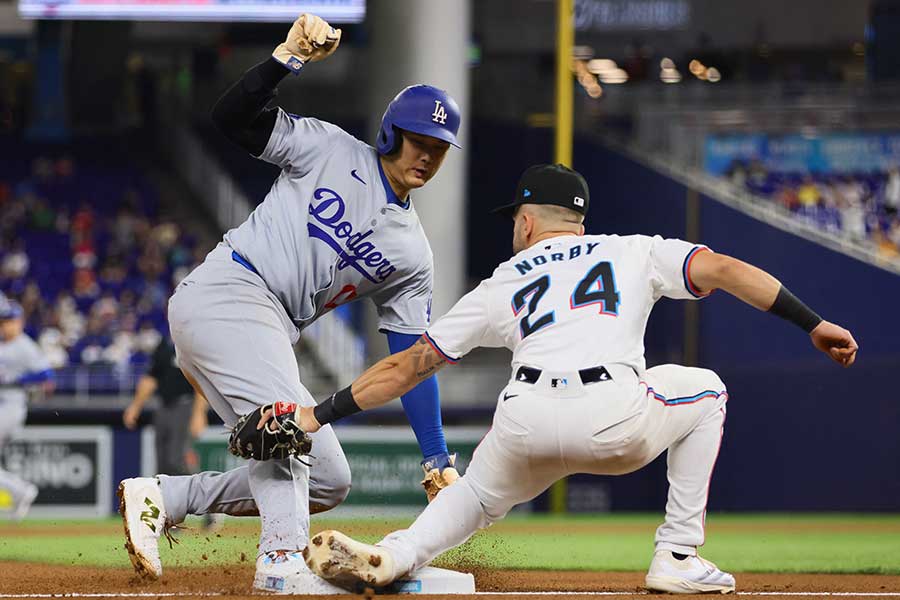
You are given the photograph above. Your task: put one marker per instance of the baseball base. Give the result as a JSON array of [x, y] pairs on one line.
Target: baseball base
[[427, 580], [431, 580]]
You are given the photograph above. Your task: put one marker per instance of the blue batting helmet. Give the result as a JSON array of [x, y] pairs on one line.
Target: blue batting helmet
[[9, 309], [421, 109]]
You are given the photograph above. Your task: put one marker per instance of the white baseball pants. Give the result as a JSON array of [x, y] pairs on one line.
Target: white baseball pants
[[541, 434]]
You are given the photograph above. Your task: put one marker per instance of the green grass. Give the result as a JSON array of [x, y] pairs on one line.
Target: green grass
[[835, 543]]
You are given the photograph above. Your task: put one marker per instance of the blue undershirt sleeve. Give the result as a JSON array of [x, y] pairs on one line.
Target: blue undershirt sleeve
[[36, 377], [422, 404]]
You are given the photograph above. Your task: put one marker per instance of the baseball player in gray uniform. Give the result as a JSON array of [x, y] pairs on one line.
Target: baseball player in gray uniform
[[22, 365], [336, 226], [573, 309]]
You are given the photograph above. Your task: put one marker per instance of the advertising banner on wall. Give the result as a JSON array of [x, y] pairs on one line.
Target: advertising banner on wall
[[384, 461], [827, 153], [71, 466]]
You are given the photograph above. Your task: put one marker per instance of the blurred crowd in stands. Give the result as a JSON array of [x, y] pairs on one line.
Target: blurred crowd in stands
[[92, 263], [862, 207]]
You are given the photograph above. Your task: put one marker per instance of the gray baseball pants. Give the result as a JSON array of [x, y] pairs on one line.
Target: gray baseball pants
[[14, 413], [234, 341]]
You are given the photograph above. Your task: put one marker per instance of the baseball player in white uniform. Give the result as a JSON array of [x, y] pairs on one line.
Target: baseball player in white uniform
[[573, 309], [337, 225], [22, 365]]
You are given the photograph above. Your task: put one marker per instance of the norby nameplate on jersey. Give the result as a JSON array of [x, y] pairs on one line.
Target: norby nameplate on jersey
[[550, 184]]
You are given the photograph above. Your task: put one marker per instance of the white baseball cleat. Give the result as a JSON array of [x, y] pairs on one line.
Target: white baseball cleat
[[348, 563], [144, 518], [693, 575], [284, 572], [25, 502]]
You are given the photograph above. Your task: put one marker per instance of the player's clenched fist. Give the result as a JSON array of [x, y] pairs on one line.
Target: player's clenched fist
[[836, 342], [311, 38]]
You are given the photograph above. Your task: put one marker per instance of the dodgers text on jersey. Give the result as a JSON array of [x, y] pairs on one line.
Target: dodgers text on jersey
[[353, 247]]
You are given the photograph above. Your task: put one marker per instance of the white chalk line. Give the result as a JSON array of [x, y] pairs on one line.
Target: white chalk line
[[216, 594]]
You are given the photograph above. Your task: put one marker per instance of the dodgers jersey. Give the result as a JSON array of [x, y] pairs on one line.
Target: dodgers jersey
[[570, 302], [326, 233], [18, 358]]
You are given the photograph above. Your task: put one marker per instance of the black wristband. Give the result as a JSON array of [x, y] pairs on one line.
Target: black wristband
[[789, 307], [340, 405]]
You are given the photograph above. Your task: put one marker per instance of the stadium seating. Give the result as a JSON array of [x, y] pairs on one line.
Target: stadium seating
[[862, 207], [84, 248]]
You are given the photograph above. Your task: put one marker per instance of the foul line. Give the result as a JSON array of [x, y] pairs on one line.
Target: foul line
[[214, 594]]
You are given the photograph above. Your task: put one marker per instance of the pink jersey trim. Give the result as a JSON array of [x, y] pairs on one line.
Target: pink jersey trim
[[437, 349]]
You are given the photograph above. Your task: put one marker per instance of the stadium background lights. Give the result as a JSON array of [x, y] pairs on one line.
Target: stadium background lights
[[607, 70], [704, 73], [668, 73], [587, 79]]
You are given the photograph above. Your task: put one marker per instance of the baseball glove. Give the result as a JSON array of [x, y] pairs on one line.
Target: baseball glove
[[280, 438], [440, 471]]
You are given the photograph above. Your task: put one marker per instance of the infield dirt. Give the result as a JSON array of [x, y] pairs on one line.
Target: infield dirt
[[234, 582]]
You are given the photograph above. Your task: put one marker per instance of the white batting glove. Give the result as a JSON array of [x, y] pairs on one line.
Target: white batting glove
[[311, 38]]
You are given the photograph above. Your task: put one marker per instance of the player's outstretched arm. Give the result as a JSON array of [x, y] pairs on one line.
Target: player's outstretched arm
[[241, 113], [711, 271], [387, 379]]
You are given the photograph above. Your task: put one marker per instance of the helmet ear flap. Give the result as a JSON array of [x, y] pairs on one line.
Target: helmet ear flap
[[398, 140], [389, 140], [381, 143]]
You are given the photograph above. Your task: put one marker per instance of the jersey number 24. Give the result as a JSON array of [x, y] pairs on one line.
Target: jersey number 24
[[597, 287]]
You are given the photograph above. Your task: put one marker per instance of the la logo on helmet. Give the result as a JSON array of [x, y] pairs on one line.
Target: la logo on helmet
[[439, 115]]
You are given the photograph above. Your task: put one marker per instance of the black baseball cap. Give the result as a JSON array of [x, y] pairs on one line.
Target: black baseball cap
[[550, 184]]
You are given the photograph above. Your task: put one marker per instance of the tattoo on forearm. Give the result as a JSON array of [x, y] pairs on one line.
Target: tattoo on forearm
[[426, 360]]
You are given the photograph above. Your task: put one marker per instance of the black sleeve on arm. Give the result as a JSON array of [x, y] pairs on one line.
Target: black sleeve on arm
[[789, 307], [241, 113]]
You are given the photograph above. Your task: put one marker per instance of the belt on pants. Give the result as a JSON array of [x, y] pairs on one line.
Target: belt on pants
[[589, 375], [243, 262]]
